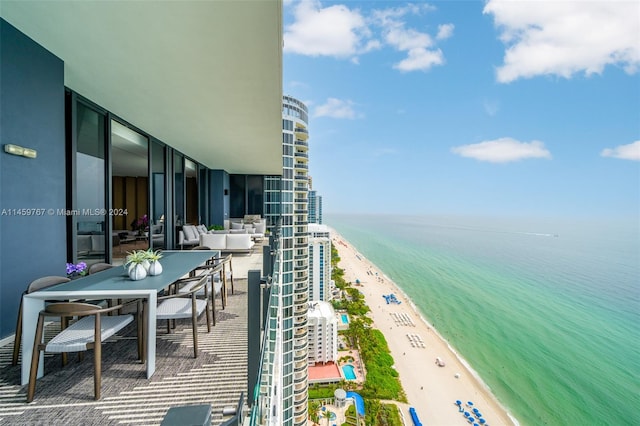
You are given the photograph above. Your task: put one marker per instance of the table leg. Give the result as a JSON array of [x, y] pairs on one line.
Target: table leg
[[150, 313], [31, 308]]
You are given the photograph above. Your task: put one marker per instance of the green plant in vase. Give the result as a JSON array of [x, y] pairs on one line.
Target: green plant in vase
[[153, 257], [135, 264]]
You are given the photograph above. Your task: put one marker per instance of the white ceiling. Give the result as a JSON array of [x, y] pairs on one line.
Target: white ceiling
[[202, 76]]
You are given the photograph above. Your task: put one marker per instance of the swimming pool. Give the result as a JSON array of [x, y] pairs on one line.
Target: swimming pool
[[349, 372], [345, 319]]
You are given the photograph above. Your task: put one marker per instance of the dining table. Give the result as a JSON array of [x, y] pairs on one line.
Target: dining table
[[113, 283]]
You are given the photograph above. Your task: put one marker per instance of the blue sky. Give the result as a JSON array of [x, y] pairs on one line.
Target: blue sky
[[469, 107]]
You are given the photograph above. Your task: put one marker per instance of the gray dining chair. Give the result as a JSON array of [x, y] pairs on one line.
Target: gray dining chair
[[39, 284], [90, 329], [186, 305]]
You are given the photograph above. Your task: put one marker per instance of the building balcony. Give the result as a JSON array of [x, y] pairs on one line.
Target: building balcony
[[301, 155], [301, 166], [300, 418], [301, 144], [300, 345], [174, 362], [301, 133]]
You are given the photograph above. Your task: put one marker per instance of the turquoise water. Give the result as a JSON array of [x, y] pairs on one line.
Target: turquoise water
[[345, 319], [546, 312], [349, 372], [358, 400]]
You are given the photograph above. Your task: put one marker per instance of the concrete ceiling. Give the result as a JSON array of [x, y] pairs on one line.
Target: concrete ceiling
[[202, 76]]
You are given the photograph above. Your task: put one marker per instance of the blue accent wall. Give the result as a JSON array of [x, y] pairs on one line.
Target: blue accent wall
[[218, 201], [32, 115]]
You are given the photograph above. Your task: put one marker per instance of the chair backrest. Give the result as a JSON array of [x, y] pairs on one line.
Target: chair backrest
[[45, 282], [97, 267], [72, 309]]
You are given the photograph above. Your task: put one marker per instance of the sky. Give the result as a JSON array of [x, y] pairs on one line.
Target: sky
[[512, 108]]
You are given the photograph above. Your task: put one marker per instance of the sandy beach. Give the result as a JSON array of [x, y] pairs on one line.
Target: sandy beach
[[432, 390]]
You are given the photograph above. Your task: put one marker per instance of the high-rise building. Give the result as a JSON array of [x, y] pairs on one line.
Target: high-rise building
[[323, 333], [317, 230], [320, 285], [288, 344], [315, 207]]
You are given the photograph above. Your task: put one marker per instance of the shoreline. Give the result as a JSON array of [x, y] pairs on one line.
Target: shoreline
[[415, 344]]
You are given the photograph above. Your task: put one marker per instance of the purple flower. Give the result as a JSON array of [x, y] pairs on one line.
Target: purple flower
[[76, 270]]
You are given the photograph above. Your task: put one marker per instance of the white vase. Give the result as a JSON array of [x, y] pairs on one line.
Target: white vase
[[155, 268], [145, 263], [137, 272]]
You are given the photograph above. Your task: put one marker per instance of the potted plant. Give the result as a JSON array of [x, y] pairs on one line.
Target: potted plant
[[153, 257], [76, 271], [134, 264]]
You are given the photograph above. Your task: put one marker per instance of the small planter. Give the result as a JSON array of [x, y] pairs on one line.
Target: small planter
[[137, 272], [155, 268]]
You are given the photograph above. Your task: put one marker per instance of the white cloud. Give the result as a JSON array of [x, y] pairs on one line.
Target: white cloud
[[445, 31], [421, 55], [337, 108], [345, 33], [624, 152], [331, 31], [503, 150], [420, 59], [564, 38]]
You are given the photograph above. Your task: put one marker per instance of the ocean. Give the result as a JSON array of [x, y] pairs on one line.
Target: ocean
[[547, 312]]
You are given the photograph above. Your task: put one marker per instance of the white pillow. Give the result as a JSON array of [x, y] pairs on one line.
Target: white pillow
[[236, 225], [190, 232]]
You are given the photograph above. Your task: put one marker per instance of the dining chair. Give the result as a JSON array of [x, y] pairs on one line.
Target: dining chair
[[228, 270], [213, 286], [90, 329], [39, 284], [186, 305], [99, 267]]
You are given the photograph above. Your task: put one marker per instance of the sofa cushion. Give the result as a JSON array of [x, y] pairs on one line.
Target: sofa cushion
[[236, 225], [239, 242], [261, 227], [214, 241], [190, 232]]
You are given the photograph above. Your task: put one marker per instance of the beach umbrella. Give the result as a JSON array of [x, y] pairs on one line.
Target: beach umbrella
[[475, 410], [470, 404], [466, 414], [482, 421], [458, 402]]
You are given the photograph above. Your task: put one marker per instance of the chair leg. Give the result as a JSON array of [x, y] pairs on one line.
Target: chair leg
[[35, 360], [97, 370], [208, 315], [194, 326], [18, 338], [64, 323], [213, 306]]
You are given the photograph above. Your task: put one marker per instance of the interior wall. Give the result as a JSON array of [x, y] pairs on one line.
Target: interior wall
[[32, 115], [130, 194]]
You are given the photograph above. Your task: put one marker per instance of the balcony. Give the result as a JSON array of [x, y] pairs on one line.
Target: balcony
[[125, 389], [301, 133], [301, 144]]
